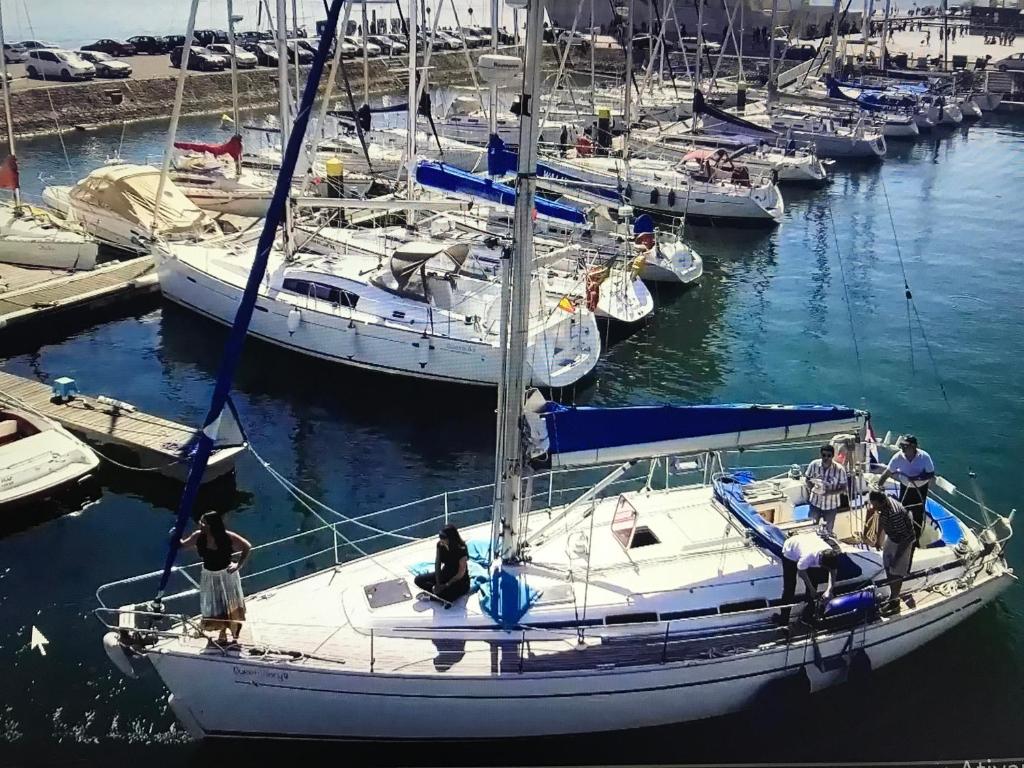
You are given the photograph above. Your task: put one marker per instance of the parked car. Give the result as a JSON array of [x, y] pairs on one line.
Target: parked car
[[30, 45], [111, 47], [305, 57], [14, 54], [54, 63], [372, 49], [387, 45], [446, 40], [208, 37], [173, 41], [199, 58], [802, 52], [1012, 63], [265, 53], [243, 58], [105, 64], [149, 44]]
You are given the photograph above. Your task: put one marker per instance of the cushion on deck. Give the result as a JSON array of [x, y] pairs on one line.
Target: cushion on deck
[[802, 512], [949, 527]]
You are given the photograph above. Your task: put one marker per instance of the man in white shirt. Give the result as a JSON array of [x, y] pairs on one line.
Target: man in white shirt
[[826, 482], [812, 557], [914, 471]]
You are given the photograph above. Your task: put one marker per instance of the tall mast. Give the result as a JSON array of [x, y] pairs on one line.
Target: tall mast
[[366, 59], [508, 462], [885, 35], [866, 27], [945, 37], [627, 111], [295, 58], [7, 102], [282, 86], [771, 47], [172, 130], [492, 111], [410, 137], [234, 67], [835, 35], [593, 59]]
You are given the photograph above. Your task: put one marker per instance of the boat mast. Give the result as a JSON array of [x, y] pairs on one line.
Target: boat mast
[[696, 63], [234, 77], [282, 87], [885, 34], [492, 116], [366, 58], [627, 110], [410, 133], [945, 37], [869, 8], [508, 462], [295, 57], [172, 130], [772, 85], [593, 60], [7, 103], [835, 35]]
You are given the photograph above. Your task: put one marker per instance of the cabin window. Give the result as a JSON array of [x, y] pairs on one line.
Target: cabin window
[[631, 618], [643, 537], [322, 291], [693, 613], [743, 605]]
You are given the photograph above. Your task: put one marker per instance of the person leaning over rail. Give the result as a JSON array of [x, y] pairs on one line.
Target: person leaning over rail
[[825, 480], [897, 525], [914, 470], [815, 557], [221, 601]]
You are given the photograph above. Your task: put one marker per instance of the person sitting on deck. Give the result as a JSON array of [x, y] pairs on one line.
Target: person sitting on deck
[[450, 578], [825, 481], [815, 559]]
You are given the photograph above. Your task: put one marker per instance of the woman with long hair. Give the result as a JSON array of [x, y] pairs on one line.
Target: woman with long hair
[[450, 578], [221, 601]]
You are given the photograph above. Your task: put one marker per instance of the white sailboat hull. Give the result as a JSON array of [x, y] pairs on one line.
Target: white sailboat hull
[[401, 348], [31, 241], [106, 228], [216, 694]]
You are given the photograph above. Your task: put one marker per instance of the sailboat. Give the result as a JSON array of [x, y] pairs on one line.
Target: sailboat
[[30, 236], [642, 597]]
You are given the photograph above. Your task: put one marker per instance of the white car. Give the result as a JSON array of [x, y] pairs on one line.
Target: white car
[[57, 64], [243, 59], [372, 49]]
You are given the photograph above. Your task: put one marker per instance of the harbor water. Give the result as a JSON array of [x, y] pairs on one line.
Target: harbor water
[[813, 311]]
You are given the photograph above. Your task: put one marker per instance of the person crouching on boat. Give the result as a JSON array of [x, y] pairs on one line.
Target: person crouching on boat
[[450, 578], [900, 537], [221, 601], [815, 558], [825, 481]]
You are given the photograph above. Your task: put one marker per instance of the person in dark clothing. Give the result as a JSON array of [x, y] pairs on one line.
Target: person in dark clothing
[[450, 578], [221, 601], [896, 536]]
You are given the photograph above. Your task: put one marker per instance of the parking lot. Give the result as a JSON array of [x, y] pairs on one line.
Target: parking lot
[[143, 68]]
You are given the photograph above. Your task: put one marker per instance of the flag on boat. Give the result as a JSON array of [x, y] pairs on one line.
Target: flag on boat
[[232, 147], [9, 178], [566, 303]]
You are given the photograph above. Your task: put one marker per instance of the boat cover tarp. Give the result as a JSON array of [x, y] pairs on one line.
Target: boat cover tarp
[[872, 101], [718, 121], [586, 436], [129, 191], [445, 177], [502, 161]]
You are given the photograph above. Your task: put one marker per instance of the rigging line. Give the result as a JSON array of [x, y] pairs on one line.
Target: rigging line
[[338, 40], [846, 293], [49, 98], [912, 305]]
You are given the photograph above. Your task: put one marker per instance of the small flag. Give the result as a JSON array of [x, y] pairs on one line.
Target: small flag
[[566, 303], [9, 173], [226, 118]]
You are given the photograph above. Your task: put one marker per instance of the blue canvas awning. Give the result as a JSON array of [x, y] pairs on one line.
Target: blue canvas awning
[[584, 436]]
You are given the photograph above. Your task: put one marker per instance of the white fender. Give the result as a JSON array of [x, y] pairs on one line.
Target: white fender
[[118, 655], [294, 320]]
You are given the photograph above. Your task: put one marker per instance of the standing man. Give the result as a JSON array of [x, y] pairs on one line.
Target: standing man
[[898, 546], [815, 560], [914, 470], [825, 481]]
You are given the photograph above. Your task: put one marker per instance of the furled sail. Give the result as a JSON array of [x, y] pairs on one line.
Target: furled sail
[[719, 122], [445, 177], [585, 436]]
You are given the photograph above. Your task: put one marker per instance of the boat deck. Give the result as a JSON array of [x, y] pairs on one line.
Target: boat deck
[[28, 295], [145, 440]]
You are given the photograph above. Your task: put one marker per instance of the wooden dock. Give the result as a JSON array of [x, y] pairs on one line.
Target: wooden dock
[[35, 295], [132, 438]]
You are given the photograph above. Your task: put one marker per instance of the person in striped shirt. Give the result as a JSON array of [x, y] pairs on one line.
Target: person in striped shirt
[[826, 482], [896, 523]]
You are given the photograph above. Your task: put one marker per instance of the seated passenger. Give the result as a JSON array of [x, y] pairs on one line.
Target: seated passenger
[[815, 558], [450, 578], [825, 482]]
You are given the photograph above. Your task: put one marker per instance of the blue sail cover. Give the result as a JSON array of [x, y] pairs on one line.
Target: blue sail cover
[[502, 161], [872, 101], [450, 179], [584, 436], [721, 123]]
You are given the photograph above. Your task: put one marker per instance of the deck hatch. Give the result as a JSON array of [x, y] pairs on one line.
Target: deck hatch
[[385, 593]]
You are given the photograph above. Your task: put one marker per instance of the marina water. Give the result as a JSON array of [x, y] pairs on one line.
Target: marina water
[[770, 322]]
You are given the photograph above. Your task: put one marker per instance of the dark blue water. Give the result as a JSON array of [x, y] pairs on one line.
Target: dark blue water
[[771, 321]]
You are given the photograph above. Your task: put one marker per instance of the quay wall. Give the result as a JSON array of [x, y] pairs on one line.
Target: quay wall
[[52, 108]]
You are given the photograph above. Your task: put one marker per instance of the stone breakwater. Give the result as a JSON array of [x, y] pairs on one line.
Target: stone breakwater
[[78, 106]]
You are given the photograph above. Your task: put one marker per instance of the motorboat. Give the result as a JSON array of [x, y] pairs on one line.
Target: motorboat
[[116, 204], [32, 237], [38, 457]]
